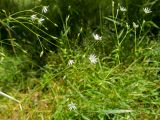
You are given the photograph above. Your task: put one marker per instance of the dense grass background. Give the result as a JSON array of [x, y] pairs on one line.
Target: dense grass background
[[57, 69]]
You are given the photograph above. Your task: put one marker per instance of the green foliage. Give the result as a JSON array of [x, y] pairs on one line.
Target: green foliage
[[80, 59]]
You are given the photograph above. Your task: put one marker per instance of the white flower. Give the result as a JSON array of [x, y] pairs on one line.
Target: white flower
[[97, 37], [45, 9], [40, 20], [147, 10], [72, 106], [33, 17], [123, 9], [135, 25], [93, 58], [71, 62]]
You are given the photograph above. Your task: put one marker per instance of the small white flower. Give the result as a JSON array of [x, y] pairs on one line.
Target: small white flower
[[123, 9], [33, 17], [135, 25], [40, 20], [71, 62], [93, 58], [72, 106], [45, 9], [97, 37], [147, 10]]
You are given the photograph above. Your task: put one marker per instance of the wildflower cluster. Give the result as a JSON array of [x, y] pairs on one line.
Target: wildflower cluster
[[39, 20], [146, 11], [92, 58]]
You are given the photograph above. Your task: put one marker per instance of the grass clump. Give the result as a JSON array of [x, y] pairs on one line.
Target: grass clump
[[83, 90], [62, 67]]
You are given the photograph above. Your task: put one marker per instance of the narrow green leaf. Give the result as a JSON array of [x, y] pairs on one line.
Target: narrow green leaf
[[116, 111]]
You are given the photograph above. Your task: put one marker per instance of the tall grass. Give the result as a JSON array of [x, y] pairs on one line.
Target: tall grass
[[79, 59]]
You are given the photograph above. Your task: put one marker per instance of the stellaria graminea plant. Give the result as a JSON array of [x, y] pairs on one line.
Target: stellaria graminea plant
[[123, 9], [40, 20], [71, 62], [45, 9], [147, 10], [72, 106], [135, 26], [93, 58], [97, 37], [33, 17]]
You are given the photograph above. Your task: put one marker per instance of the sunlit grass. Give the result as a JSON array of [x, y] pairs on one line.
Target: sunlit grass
[[97, 91]]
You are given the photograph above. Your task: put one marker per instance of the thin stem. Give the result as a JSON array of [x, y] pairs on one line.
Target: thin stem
[[9, 97], [115, 26], [135, 41]]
